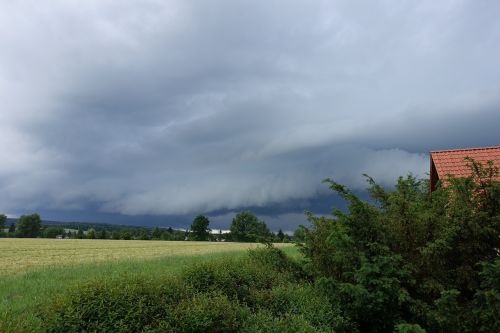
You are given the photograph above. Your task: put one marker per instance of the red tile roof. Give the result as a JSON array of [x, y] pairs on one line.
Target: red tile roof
[[452, 161]]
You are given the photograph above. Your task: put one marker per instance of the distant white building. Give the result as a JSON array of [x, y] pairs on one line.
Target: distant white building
[[219, 231]]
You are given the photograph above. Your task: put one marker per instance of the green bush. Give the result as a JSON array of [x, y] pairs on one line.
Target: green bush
[[117, 305], [265, 322], [486, 306], [411, 256], [211, 312], [305, 301], [408, 328], [276, 260], [238, 280]]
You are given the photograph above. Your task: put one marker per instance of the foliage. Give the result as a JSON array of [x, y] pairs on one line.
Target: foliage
[[156, 233], [102, 234], [486, 305], [144, 235], [199, 228], [28, 226], [208, 312], [264, 321], [280, 236], [412, 256], [408, 328], [125, 234], [80, 234], [3, 220], [271, 257], [52, 232], [83, 230], [124, 305], [306, 301], [238, 280], [299, 234], [246, 227], [246, 295], [91, 234]]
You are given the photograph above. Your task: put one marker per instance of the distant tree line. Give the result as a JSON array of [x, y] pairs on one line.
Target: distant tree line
[[245, 227]]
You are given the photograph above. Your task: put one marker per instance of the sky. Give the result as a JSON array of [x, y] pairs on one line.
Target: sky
[[151, 112]]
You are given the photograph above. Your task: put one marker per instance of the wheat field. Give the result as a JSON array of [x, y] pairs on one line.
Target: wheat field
[[23, 254]]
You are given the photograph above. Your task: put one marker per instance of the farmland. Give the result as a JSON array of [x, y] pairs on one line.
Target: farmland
[[19, 255]]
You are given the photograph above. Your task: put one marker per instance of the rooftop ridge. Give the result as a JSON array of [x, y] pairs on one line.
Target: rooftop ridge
[[464, 149]]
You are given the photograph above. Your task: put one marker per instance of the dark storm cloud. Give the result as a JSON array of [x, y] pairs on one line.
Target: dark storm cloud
[[181, 107]]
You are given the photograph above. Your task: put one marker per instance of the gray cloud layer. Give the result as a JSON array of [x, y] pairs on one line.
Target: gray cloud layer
[[179, 107]]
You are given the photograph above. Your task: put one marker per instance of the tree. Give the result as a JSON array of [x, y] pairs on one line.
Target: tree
[[411, 259], [299, 234], [246, 227], [126, 234], [144, 235], [156, 234], [28, 226], [12, 228], [199, 228], [102, 234], [280, 236], [80, 234], [3, 220], [91, 234], [165, 235], [53, 232]]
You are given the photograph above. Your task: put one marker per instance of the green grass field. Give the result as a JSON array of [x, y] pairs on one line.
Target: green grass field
[[60, 265]]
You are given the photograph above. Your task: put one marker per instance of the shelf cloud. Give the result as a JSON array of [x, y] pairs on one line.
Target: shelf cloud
[[185, 107]]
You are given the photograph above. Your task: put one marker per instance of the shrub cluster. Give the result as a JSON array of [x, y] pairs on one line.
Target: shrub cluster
[[410, 260]]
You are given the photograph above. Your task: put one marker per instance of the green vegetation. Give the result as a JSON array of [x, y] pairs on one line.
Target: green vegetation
[[199, 228], [22, 295], [246, 227], [264, 289], [411, 260], [52, 232], [407, 260], [29, 226], [299, 234], [3, 220]]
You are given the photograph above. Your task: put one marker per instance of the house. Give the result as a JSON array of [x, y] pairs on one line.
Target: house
[[452, 162]]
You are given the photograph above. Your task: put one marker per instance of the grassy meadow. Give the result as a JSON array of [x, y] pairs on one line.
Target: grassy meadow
[[34, 270]]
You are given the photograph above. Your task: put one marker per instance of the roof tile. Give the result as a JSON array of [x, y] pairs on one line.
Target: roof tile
[[453, 161]]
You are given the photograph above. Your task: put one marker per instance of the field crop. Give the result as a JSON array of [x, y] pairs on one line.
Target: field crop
[[23, 254]]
